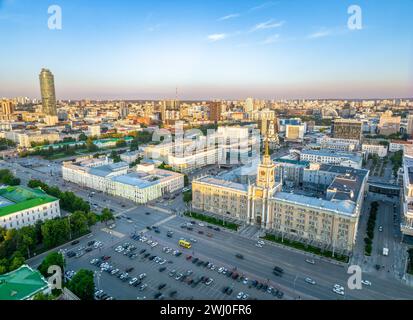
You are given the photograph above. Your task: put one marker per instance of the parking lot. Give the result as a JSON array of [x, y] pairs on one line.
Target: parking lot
[[168, 273]]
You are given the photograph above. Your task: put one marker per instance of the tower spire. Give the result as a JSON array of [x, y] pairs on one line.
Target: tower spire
[[267, 149]]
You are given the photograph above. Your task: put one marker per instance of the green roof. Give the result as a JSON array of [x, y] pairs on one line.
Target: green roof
[[21, 284], [60, 144], [19, 198], [113, 140]]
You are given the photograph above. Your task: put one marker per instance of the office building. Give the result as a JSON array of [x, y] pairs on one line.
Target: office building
[[346, 129], [48, 94], [215, 111], [389, 124], [22, 206], [329, 221], [140, 184], [377, 149], [407, 195], [325, 156], [294, 133]]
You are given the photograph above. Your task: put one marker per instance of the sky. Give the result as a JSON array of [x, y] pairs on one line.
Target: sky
[[208, 49]]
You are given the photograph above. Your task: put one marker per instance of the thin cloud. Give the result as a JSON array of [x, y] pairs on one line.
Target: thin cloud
[[265, 5], [217, 37], [229, 16], [270, 24], [319, 34]]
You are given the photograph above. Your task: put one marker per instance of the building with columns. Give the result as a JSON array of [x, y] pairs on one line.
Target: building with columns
[[327, 219]]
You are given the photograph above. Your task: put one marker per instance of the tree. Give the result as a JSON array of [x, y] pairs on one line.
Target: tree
[[82, 137], [52, 259], [90, 145], [55, 232], [114, 155], [79, 223], [26, 240], [42, 296], [17, 261], [6, 177], [188, 196], [121, 143], [134, 145], [107, 215], [83, 285]]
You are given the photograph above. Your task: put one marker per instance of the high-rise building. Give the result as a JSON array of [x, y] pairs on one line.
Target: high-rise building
[[249, 105], [410, 124], [48, 94], [346, 129], [389, 124], [215, 111], [7, 107], [123, 110]]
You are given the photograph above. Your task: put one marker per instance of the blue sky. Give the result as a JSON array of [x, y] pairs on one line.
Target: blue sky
[[208, 49]]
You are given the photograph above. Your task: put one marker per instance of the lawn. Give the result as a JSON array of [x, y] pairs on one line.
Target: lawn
[[212, 220], [307, 248]]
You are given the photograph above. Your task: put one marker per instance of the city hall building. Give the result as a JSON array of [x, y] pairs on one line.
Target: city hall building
[[329, 220]]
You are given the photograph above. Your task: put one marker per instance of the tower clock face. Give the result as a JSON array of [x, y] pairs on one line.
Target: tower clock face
[[262, 173]]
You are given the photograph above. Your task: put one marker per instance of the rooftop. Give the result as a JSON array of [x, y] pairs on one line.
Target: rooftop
[[333, 153], [21, 284], [18, 198], [344, 207], [224, 183]]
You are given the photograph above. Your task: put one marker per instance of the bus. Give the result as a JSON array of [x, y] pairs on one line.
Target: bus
[[185, 244]]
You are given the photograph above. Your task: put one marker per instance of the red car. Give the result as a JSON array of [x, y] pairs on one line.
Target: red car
[[188, 257]]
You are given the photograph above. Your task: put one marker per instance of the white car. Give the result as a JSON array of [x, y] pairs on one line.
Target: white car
[[143, 287], [240, 295], [220, 270], [340, 292], [114, 271], [154, 244], [310, 281], [209, 281], [133, 281], [163, 261], [213, 267], [142, 276], [338, 287], [201, 225], [258, 245], [366, 282], [149, 242], [245, 281], [193, 240], [310, 261], [245, 296], [261, 242]]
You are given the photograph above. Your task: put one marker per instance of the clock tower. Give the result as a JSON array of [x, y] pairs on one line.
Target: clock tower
[[266, 171]]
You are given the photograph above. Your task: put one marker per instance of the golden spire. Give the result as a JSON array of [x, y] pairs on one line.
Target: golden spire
[[267, 158], [267, 149]]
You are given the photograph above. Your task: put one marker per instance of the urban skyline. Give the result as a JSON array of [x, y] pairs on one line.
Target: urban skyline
[[228, 50]]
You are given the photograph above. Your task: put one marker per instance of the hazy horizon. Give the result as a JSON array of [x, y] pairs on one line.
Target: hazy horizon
[[230, 50]]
